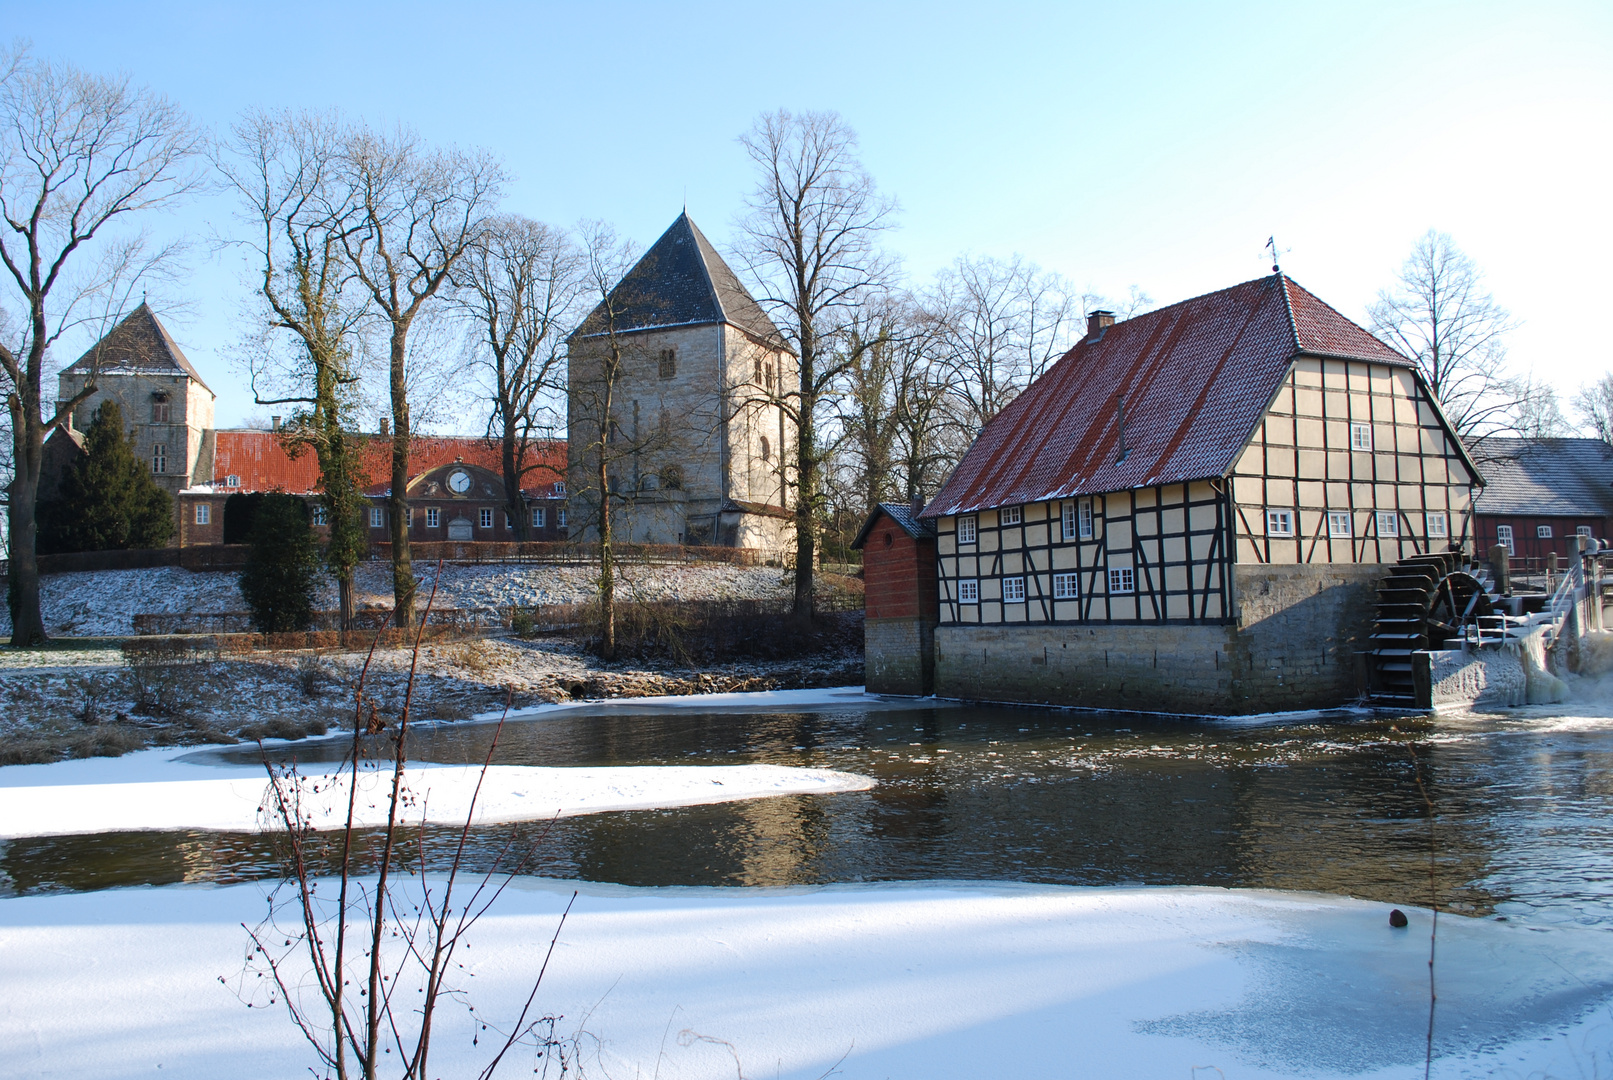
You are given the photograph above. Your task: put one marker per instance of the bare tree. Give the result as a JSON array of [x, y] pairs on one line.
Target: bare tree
[[1439, 314], [285, 167], [1594, 404], [1537, 414], [78, 153], [416, 213], [520, 284], [811, 230]]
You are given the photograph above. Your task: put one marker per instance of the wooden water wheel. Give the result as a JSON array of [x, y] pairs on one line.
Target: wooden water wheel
[[1426, 601]]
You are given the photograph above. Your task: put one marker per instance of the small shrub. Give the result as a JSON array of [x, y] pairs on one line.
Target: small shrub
[[28, 752], [310, 673], [110, 740], [90, 710], [165, 673], [524, 621], [473, 656]]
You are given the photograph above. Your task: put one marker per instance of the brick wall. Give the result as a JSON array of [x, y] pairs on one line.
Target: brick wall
[[899, 576]]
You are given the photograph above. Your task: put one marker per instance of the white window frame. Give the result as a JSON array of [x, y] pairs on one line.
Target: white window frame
[[1083, 519], [1503, 536], [1279, 523], [1543, 532], [1361, 437], [537, 517], [560, 518], [968, 530], [204, 513], [1013, 590], [485, 517], [317, 515], [1122, 581], [1340, 524], [1388, 523], [433, 517], [1067, 586], [969, 590], [159, 459], [1009, 515], [232, 481], [1582, 530], [408, 518], [377, 521], [1437, 525]]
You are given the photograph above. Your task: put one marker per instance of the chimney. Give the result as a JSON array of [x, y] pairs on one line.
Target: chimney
[[386, 426], [918, 505], [274, 423], [1098, 322]]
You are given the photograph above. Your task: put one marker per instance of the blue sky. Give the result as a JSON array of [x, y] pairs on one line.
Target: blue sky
[[1148, 144]]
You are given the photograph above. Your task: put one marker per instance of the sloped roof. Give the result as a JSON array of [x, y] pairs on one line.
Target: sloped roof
[[903, 515], [140, 343], [260, 461], [1546, 477], [1194, 379], [681, 281]]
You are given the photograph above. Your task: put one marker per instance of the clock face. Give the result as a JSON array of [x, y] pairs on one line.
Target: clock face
[[459, 482]]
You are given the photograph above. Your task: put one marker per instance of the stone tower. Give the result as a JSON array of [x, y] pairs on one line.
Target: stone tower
[[696, 444]]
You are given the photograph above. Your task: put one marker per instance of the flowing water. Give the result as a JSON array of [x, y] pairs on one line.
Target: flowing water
[[1521, 824]]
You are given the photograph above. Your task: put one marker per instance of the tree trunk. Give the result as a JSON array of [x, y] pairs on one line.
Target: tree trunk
[[403, 583], [22, 589], [806, 486], [344, 603], [515, 506], [607, 556]]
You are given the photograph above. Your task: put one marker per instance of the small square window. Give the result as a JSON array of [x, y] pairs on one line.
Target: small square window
[[966, 529], [1582, 530], [1339, 523], [969, 591], [486, 518], [1543, 532], [1013, 590], [204, 513], [1065, 587], [232, 481], [1279, 523], [1388, 523], [1361, 437], [433, 517], [318, 515], [537, 517], [560, 489], [1438, 526], [376, 519], [1008, 515], [1121, 580], [1503, 536]]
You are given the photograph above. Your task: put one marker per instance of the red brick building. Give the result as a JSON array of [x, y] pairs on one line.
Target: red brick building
[[1541, 493], [902, 598], [456, 491]]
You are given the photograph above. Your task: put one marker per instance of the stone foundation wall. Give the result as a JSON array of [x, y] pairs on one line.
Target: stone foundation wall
[[1293, 647], [899, 655]]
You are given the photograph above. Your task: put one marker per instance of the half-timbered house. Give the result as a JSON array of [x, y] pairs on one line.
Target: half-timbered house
[[1191, 511]]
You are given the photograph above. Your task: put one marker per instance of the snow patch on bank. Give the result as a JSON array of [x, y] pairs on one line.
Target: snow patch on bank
[[437, 795], [939, 981]]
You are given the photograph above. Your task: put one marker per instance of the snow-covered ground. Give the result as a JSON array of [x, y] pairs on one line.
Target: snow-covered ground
[[439, 795], [926, 981], [102, 603]]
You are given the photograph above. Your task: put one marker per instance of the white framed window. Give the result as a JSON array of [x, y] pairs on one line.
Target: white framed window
[[1066, 587], [560, 518], [1361, 437], [318, 515], [204, 513], [433, 517], [1543, 532], [232, 481], [1388, 523], [967, 529], [408, 518], [1008, 515], [159, 458], [1083, 518], [1013, 590], [508, 524], [1503, 536], [560, 489], [1437, 524], [1339, 523], [1068, 516], [1121, 580], [1582, 530], [1279, 523], [376, 518], [486, 517], [537, 517], [969, 590]]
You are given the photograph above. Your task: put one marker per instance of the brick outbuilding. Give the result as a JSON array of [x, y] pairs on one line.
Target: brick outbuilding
[[903, 600]]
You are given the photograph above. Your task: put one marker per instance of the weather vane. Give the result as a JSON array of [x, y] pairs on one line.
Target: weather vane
[[1271, 242]]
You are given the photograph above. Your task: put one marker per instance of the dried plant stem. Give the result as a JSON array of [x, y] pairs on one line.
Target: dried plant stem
[[1433, 904]]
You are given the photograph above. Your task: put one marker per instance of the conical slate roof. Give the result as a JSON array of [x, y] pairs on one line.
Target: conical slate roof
[[140, 343], [681, 281]]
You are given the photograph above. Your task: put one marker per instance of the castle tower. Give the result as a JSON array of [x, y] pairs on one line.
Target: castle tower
[[696, 444]]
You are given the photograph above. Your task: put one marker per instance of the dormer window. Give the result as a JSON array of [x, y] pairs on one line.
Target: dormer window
[[232, 481]]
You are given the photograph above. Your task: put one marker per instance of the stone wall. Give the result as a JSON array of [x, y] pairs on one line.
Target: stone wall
[[900, 655], [1293, 647]]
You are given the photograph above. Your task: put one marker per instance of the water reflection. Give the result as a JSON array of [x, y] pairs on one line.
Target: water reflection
[[1031, 795]]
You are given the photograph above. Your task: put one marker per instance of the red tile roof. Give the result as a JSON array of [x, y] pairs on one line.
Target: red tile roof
[[261, 463], [1194, 378]]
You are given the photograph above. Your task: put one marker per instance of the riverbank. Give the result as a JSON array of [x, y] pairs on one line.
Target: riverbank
[[918, 980]]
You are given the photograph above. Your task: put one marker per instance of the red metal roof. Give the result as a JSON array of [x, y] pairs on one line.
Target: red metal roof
[[261, 463], [1194, 379]]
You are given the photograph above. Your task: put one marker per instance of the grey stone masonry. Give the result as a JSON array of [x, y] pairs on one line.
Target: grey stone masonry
[[900, 655]]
